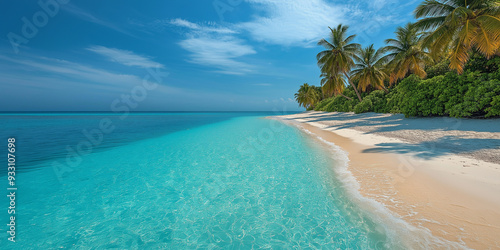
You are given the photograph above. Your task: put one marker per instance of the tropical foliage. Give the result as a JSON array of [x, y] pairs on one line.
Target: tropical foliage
[[405, 53], [332, 85], [459, 26], [369, 68], [475, 93], [338, 58], [308, 96], [445, 64]]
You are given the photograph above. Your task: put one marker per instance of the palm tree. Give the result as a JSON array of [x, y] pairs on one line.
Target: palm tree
[[461, 26], [333, 85], [405, 53], [369, 68], [337, 59], [300, 96], [308, 96]]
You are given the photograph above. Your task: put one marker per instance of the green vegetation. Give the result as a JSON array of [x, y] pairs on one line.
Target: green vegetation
[[472, 94], [337, 60], [445, 64], [406, 54], [308, 96], [461, 25], [369, 69]]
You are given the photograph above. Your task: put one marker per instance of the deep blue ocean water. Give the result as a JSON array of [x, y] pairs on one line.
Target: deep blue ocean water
[[176, 181]]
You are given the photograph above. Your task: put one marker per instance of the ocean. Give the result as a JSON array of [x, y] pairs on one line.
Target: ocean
[[176, 181]]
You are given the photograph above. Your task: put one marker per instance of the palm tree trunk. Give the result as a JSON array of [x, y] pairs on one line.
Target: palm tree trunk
[[385, 89], [347, 97], [354, 87]]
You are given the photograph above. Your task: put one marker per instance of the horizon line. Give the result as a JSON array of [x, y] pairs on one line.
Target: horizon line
[[111, 112]]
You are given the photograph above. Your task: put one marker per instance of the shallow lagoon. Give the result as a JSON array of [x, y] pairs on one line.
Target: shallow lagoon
[[240, 181]]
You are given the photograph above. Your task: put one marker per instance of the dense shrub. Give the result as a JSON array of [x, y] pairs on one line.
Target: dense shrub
[[475, 93], [440, 68], [469, 95], [494, 110], [481, 99], [323, 103], [419, 97], [481, 64], [365, 106], [374, 102], [342, 104], [379, 101]]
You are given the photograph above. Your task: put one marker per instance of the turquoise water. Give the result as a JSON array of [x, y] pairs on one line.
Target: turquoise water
[[223, 180]]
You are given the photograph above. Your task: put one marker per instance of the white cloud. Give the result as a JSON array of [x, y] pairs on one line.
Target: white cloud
[[292, 23], [219, 52], [300, 23], [304, 22], [183, 23], [125, 57], [215, 47], [196, 27]]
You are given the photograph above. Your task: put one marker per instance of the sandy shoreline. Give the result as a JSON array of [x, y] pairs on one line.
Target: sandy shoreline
[[436, 173]]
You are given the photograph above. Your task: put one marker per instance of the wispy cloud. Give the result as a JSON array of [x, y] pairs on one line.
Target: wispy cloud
[[380, 4], [219, 52], [369, 18], [288, 23], [125, 57], [55, 84], [298, 23], [79, 73], [202, 28], [87, 16], [215, 47], [303, 22], [292, 23]]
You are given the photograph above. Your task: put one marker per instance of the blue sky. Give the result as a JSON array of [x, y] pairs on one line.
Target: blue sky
[[176, 55]]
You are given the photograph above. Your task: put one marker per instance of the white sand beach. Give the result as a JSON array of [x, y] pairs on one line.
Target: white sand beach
[[442, 174]]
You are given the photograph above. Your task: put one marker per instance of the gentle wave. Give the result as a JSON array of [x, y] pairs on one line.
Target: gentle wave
[[398, 231]]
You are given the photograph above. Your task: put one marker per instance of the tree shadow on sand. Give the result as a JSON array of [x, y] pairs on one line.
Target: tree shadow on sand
[[431, 149], [388, 123]]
